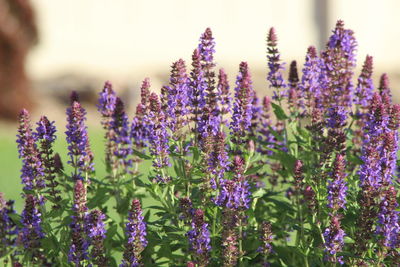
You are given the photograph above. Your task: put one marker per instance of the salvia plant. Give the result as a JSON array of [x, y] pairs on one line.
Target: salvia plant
[[207, 173]]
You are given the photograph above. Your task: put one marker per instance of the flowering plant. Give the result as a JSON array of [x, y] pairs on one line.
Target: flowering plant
[[306, 178]]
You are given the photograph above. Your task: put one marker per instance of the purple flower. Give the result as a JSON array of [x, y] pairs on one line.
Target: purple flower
[[336, 118], [235, 194], [199, 238], [313, 81], [121, 140], [265, 123], [81, 157], [384, 89], [363, 92], [242, 107], [337, 186], [376, 125], [32, 172], [275, 67], [140, 131], [96, 232], [186, 208], [388, 219], [198, 86], [31, 232], [230, 237], [298, 176], [336, 121], [139, 128], [256, 112], [106, 106], [159, 136], [136, 235], [8, 229], [266, 239], [145, 92], [45, 135], [217, 158], [340, 61], [206, 50], [362, 98], [334, 240], [295, 94], [210, 121], [79, 243], [45, 131], [175, 98], [224, 96]]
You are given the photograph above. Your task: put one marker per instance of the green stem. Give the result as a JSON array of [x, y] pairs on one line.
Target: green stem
[[240, 243]]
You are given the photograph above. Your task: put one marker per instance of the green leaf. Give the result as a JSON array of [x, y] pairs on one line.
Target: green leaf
[[140, 154], [16, 218], [285, 158], [279, 112], [259, 193], [253, 170], [275, 134]]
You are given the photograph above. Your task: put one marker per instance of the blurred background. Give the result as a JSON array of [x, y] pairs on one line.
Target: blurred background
[[49, 48]]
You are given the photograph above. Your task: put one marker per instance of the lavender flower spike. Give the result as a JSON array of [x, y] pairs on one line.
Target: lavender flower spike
[[106, 106], [235, 194], [337, 187], [242, 107], [8, 228], [81, 157], [275, 66], [363, 92], [158, 138], [199, 239], [139, 129], [224, 96], [334, 240], [388, 227], [78, 252], [198, 86], [45, 134], [340, 60], [266, 239], [207, 50], [32, 172], [121, 140], [136, 234], [175, 98], [313, 80], [32, 232], [96, 231]]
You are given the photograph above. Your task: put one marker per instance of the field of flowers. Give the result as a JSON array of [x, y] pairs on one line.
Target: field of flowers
[[202, 176]]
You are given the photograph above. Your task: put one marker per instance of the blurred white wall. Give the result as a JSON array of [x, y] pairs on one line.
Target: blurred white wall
[[132, 39], [122, 37]]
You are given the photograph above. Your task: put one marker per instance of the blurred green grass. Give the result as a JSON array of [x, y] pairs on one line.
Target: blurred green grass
[[10, 164]]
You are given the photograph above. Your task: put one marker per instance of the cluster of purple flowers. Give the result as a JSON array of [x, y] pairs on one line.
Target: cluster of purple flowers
[[275, 66], [199, 238], [136, 234], [211, 155], [8, 228], [242, 107], [32, 172], [235, 193], [81, 156]]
